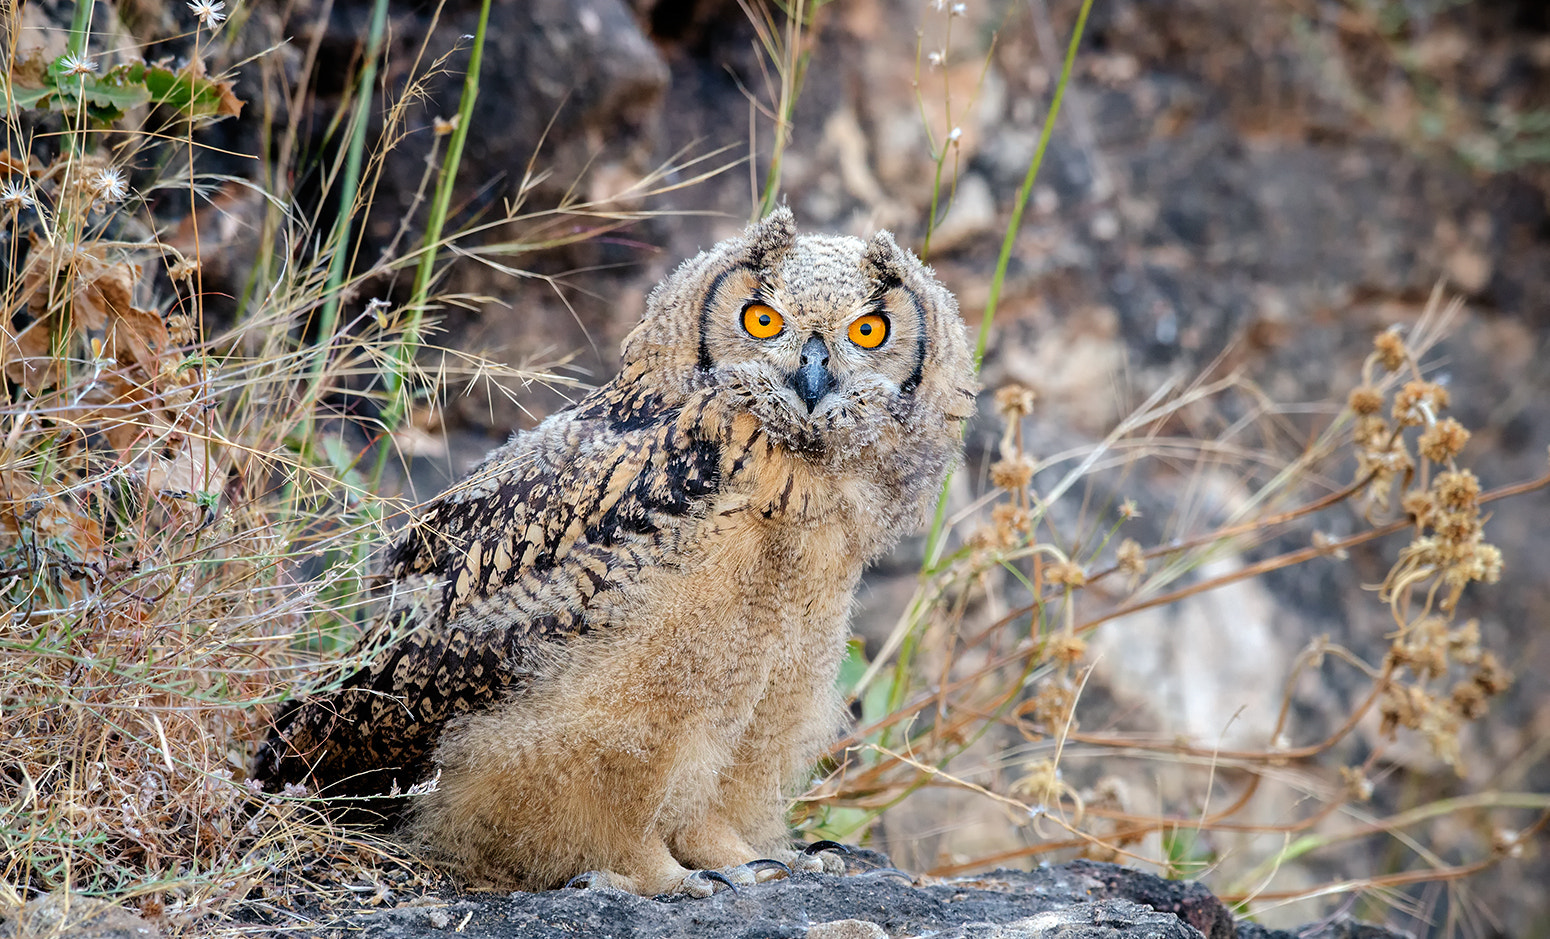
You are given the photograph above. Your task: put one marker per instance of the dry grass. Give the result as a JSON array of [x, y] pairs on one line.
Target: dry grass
[[190, 512], [984, 696]]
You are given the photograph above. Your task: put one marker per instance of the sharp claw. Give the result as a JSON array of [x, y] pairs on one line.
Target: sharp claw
[[583, 881], [887, 872], [818, 847], [767, 864], [715, 877]]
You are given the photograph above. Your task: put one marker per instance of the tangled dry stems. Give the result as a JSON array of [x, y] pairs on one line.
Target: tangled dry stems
[[186, 521], [1018, 675]]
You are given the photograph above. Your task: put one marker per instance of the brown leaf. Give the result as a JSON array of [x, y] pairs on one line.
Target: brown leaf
[[193, 467], [29, 359], [101, 306], [102, 289], [116, 409], [27, 507], [137, 337], [24, 166]]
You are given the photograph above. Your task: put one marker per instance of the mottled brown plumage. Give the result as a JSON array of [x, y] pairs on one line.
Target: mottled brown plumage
[[614, 645]]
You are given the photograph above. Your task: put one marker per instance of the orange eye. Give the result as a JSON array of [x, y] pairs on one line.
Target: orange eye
[[869, 331], [762, 321]]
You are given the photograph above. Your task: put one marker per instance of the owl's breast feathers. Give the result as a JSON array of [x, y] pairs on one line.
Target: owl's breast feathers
[[536, 547]]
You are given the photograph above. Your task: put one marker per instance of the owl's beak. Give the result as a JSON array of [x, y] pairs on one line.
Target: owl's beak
[[813, 379]]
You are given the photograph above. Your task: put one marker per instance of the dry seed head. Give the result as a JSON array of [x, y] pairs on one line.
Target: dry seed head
[[1357, 785], [1440, 726], [78, 65], [1401, 706], [1419, 402], [1051, 705], [1464, 643], [108, 186], [1011, 522], [1490, 676], [209, 14], [1390, 348], [1067, 574], [1366, 400], [180, 329], [984, 538], [1469, 701], [1371, 431], [183, 269], [1015, 401], [1066, 649], [1443, 440], [1130, 559], [1012, 473], [1041, 782], [1420, 505], [14, 196], [1459, 489], [1424, 649], [1457, 528]]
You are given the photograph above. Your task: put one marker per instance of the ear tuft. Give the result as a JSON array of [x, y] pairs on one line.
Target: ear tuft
[[884, 259], [771, 237]]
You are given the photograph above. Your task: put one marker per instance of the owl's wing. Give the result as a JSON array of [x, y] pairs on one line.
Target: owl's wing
[[514, 558]]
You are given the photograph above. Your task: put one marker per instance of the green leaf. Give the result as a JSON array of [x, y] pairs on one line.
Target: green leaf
[[18, 97], [195, 95], [111, 91]]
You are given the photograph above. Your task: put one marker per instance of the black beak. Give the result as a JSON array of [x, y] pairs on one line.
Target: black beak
[[813, 379]]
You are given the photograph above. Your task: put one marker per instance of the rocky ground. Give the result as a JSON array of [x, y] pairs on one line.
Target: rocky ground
[[1079, 900]]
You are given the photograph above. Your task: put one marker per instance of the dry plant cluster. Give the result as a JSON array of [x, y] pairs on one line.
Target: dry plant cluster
[[971, 671], [189, 511]]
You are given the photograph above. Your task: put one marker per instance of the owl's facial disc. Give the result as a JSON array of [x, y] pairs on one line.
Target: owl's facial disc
[[812, 379]]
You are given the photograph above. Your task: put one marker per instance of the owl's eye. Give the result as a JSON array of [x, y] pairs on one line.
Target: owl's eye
[[869, 331], [762, 321]]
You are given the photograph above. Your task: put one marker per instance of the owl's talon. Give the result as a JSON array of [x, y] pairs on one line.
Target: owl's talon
[[589, 880], [702, 884], [887, 872], [822, 857], [745, 875]]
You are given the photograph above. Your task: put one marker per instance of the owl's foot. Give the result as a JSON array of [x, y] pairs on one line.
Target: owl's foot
[[828, 857], [697, 884], [706, 882], [820, 857], [756, 872]]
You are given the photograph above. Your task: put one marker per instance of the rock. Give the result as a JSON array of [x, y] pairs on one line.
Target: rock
[[74, 915], [1078, 900]]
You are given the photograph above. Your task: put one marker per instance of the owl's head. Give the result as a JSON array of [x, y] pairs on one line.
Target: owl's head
[[826, 340]]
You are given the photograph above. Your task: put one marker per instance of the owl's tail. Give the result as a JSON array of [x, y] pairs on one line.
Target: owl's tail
[[317, 748]]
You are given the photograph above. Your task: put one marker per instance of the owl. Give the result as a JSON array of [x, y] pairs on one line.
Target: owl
[[609, 654]]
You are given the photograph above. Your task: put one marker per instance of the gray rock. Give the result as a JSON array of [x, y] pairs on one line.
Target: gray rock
[[1078, 900]]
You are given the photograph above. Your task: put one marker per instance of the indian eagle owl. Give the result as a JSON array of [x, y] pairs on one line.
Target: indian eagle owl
[[614, 645]]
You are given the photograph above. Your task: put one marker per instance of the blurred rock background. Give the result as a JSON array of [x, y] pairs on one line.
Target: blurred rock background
[[1259, 187]]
